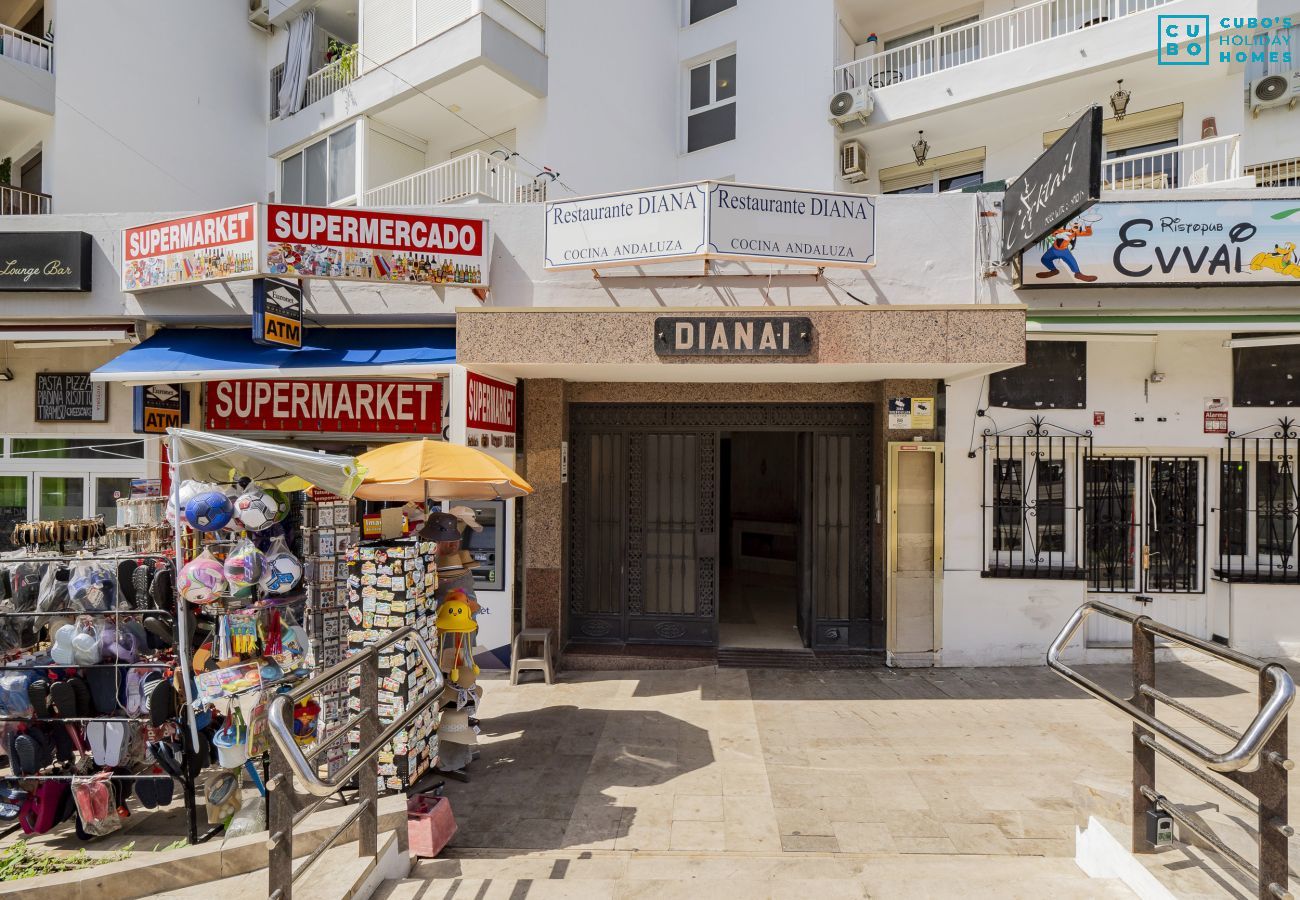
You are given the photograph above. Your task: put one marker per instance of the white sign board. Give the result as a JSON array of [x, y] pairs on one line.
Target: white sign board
[[711, 220]]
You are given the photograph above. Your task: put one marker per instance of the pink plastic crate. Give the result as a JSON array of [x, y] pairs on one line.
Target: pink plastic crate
[[429, 824]]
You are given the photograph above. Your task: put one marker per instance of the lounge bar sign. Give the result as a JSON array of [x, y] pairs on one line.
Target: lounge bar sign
[[343, 407], [277, 313], [1060, 184], [1176, 242], [70, 397], [733, 336], [259, 240], [712, 220], [45, 261]]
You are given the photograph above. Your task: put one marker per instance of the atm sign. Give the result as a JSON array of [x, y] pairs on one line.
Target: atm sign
[[277, 313]]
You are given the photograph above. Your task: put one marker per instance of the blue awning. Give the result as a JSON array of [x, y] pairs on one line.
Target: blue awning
[[210, 354]]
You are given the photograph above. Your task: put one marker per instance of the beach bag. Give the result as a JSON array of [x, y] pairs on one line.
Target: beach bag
[[43, 808]]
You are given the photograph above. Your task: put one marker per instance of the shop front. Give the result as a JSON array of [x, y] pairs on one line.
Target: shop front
[[706, 496]]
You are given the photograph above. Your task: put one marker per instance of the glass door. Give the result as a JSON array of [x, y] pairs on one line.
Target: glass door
[[15, 498], [61, 497], [108, 489]]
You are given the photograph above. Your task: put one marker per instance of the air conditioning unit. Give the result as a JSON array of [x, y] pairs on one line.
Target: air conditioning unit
[[259, 14], [1274, 90], [853, 161], [853, 104]]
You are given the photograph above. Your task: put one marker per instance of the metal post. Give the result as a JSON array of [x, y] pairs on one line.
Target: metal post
[[1144, 758], [279, 819], [1271, 788], [367, 776]]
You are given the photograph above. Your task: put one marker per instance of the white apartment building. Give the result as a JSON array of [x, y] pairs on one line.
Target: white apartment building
[[490, 108]]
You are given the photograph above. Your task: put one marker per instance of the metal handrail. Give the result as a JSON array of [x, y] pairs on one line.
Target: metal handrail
[[283, 735], [1271, 713]]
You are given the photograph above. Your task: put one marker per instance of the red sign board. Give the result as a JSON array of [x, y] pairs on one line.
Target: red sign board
[[205, 247], [344, 407], [1216, 421], [490, 404]]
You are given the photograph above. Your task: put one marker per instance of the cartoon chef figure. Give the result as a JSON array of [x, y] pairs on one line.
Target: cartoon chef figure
[[1062, 246]]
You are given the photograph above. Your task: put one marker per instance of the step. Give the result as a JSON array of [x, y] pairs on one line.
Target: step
[[616, 874]]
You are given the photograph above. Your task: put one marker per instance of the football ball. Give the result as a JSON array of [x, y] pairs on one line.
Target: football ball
[[188, 490], [209, 511], [256, 509], [201, 580], [281, 501], [280, 573], [243, 571]]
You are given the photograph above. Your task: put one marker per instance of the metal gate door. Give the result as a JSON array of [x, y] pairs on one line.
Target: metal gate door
[[1145, 533]]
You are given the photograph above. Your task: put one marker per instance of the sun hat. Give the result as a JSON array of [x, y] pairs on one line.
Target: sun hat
[[454, 728], [440, 526], [466, 515]]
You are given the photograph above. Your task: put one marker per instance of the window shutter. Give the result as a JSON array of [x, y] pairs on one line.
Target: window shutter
[[385, 30], [950, 165], [1115, 132]]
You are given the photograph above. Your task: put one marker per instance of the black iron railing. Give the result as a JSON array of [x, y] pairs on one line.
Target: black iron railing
[[1259, 506]]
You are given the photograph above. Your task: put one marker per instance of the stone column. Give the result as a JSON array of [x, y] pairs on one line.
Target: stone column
[[544, 426]]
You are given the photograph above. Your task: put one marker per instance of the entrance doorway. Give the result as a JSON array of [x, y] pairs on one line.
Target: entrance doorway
[[759, 513], [741, 524]]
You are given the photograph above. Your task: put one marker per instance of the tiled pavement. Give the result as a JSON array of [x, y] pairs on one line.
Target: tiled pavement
[[780, 765]]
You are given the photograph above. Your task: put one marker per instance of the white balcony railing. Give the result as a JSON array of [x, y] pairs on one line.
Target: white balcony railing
[[476, 176], [24, 48], [1197, 164], [17, 202], [995, 35], [1278, 173], [320, 84]]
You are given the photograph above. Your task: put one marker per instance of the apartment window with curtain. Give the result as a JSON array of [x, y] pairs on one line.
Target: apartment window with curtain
[[950, 172], [699, 10], [711, 117], [323, 173]]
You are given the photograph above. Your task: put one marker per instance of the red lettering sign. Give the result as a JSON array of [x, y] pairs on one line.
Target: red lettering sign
[[204, 231], [490, 404], [345, 407], [329, 227]]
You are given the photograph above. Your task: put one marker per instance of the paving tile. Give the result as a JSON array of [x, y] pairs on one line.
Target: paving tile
[[697, 836], [817, 843], [703, 807], [864, 837]]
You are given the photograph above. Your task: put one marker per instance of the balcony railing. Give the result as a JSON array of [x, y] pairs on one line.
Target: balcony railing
[[993, 36], [476, 176], [1197, 164], [17, 202], [24, 48], [320, 84], [1278, 173]]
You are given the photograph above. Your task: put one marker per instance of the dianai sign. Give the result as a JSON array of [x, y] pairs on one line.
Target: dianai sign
[[712, 220]]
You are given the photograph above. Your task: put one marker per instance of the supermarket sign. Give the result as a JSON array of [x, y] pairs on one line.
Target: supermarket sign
[[259, 240], [334, 407]]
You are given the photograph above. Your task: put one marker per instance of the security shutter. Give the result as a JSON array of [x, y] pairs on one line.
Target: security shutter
[[1137, 129], [950, 165], [433, 17], [532, 10], [385, 30]]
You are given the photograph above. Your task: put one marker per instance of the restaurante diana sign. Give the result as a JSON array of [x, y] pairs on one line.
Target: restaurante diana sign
[[712, 220]]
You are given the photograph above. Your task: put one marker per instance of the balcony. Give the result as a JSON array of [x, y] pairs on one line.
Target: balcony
[[422, 65], [1207, 163], [26, 82], [17, 202], [476, 177], [1278, 173], [23, 48]]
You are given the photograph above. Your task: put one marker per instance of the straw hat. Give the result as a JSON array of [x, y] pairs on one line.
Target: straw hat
[[454, 728]]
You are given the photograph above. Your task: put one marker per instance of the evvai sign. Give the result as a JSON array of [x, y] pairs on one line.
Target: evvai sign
[[277, 313], [1157, 244], [1061, 183], [733, 336], [45, 261], [712, 220]]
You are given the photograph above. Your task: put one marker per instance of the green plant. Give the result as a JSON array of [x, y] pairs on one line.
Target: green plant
[[6, 169], [20, 860], [344, 54]]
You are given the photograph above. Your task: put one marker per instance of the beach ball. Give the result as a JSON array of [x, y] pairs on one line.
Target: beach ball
[[209, 511], [255, 509], [243, 571], [201, 580]]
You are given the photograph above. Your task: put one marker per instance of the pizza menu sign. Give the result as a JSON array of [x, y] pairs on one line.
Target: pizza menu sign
[[259, 240]]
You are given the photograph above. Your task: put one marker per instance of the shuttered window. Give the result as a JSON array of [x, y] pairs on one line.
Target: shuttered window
[[385, 30], [937, 172], [1137, 129]]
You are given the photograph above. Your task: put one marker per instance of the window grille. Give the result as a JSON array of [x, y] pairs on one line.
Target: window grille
[[1259, 505]]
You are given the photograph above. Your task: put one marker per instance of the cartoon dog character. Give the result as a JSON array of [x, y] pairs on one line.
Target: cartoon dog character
[[1063, 240], [1281, 259]]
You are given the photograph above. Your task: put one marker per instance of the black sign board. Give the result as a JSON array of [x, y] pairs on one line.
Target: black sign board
[[277, 313], [45, 261], [733, 336], [1061, 183], [157, 407], [70, 397]]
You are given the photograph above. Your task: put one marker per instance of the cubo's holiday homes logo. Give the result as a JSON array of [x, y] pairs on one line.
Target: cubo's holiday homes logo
[[1263, 41], [1183, 41]]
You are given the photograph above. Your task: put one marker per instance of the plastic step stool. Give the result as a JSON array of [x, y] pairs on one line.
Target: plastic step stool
[[520, 663]]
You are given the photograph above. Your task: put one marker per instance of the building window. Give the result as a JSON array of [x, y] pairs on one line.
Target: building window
[[1265, 376], [1259, 507], [949, 172], [1054, 376], [323, 173], [1032, 510], [712, 116], [943, 185], [698, 10], [1110, 522], [1149, 168]]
